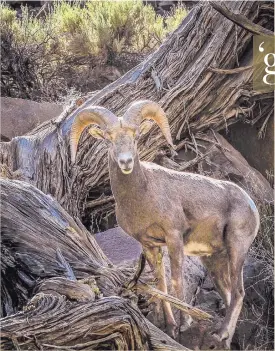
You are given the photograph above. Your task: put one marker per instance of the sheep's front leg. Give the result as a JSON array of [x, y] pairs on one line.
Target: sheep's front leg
[[155, 260], [176, 254]]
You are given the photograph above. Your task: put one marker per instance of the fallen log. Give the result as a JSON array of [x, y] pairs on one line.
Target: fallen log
[[181, 76]]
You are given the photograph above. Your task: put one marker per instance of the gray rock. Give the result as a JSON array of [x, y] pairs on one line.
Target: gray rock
[[259, 152], [122, 249], [118, 246], [223, 161], [19, 116]]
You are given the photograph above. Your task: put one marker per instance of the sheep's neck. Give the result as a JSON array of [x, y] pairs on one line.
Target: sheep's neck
[[124, 186]]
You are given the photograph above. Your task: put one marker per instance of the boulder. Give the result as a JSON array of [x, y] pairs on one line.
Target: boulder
[[119, 247], [224, 161], [219, 159], [19, 116], [122, 249], [255, 143]]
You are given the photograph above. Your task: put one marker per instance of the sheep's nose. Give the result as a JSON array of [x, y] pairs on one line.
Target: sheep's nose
[[126, 162]]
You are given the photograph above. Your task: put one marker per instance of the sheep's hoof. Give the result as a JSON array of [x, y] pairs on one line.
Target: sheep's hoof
[[184, 327], [186, 322], [221, 335]]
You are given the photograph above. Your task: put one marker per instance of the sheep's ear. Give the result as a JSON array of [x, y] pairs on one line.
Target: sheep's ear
[[96, 132], [146, 126]]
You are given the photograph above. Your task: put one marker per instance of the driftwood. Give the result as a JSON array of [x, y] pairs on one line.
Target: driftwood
[[52, 322], [182, 75], [192, 311]]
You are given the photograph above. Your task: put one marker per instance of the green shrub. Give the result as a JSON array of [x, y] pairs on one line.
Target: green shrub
[[7, 15], [175, 19], [72, 36]]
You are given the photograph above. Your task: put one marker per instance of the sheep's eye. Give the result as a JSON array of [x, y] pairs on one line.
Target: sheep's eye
[[108, 136]]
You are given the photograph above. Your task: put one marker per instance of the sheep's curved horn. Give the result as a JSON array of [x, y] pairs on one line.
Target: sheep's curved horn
[[90, 115], [147, 109]]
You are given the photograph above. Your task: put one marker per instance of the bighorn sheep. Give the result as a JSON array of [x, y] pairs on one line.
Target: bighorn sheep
[[190, 213]]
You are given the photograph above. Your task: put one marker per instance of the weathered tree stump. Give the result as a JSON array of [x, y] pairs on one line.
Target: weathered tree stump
[[51, 322], [36, 233]]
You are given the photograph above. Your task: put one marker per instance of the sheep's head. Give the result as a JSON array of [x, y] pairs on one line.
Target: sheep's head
[[122, 133]]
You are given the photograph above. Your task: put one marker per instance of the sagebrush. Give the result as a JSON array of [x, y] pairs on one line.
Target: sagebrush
[[45, 55]]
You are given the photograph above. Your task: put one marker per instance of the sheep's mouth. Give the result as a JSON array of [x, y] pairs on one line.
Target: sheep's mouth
[[126, 170]]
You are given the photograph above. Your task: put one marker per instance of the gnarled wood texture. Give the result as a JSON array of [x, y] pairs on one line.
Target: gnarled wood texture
[[51, 322], [35, 231]]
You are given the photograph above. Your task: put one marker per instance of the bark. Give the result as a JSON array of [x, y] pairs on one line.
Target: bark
[[51, 322], [185, 75], [242, 21]]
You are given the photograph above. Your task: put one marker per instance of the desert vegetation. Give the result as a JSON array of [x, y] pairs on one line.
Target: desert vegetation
[[46, 55]]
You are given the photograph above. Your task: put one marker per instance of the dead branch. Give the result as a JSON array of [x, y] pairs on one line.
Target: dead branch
[[230, 71], [241, 20], [188, 309]]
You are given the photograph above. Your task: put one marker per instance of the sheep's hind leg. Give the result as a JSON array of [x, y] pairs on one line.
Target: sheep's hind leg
[[232, 276], [236, 262], [155, 260], [217, 267]]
